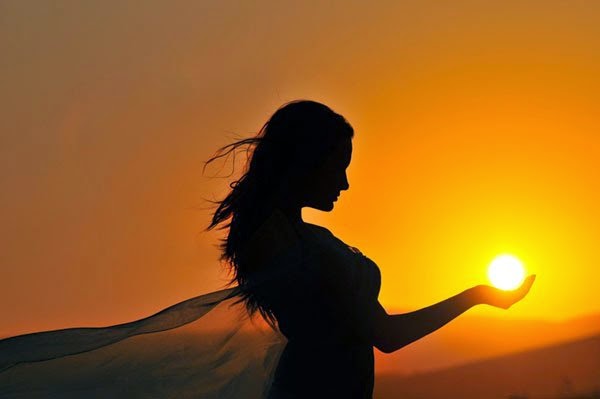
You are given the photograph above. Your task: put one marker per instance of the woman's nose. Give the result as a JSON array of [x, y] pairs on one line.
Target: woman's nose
[[345, 184]]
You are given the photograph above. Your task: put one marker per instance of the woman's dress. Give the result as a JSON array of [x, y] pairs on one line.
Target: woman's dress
[[323, 293]]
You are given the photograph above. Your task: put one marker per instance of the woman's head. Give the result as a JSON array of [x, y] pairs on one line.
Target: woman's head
[[297, 159], [304, 150]]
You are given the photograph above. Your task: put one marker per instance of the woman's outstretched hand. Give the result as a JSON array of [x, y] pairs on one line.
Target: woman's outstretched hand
[[486, 294]]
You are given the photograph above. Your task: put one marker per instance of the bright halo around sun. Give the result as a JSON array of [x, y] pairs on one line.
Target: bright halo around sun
[[506, 272]]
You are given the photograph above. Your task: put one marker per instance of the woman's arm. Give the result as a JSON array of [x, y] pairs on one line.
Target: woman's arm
[[392, 332]]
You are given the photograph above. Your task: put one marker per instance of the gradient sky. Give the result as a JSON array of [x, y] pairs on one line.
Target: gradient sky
[[477, 133]]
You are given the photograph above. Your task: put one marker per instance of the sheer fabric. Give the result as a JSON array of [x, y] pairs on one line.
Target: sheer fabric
[[221, 354], [209, 347]]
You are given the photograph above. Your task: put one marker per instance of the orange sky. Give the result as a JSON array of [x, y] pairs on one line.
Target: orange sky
[[476, 133]]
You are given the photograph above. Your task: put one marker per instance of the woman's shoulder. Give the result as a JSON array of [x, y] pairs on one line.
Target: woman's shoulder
[[315, 228], [278, 232], [275, 234], [335, 248], [333, 239]]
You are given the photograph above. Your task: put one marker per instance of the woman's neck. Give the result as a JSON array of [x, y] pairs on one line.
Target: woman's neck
[[293, 213]]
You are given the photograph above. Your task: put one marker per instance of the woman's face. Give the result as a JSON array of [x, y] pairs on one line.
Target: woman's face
[[323, 186]]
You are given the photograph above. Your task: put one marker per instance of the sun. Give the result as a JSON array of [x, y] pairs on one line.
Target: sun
[[506, 272]]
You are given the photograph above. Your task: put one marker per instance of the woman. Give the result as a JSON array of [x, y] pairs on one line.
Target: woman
[[325, 302], [317, 295]]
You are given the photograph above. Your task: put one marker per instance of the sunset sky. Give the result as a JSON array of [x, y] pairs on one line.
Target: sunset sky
[[477, 132]]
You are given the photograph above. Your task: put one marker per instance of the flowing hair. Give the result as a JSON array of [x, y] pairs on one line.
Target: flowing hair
[[291, 144]]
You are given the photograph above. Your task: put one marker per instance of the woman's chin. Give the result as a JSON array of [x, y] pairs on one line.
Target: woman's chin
[[325, 207]]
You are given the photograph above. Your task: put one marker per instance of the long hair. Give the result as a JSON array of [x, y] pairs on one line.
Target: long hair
[[291, 144]]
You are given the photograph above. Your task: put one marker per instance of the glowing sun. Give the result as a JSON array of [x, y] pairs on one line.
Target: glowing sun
[[506, 272]]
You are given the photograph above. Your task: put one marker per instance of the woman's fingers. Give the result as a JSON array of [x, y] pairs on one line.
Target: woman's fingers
[[526, 286], [519, 293], [528, 282]]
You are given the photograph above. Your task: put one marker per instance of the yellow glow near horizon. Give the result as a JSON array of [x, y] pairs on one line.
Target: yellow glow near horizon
[[506, 272]]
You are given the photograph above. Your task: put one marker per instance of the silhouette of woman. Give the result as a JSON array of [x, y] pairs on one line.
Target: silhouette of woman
[[316, 294]]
